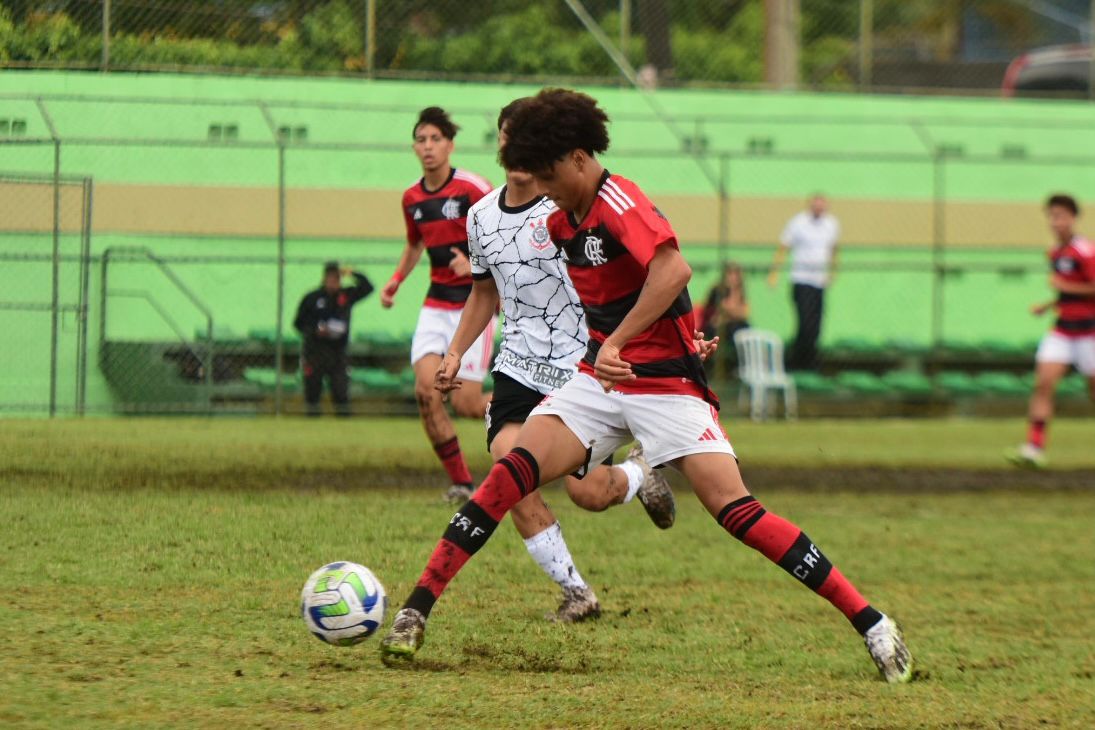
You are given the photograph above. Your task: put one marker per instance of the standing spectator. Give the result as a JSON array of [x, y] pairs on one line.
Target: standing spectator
[[812, 237], [323, 320]]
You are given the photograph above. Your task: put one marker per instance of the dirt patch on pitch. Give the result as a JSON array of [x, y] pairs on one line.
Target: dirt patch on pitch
[[916, 479], [760, 478]]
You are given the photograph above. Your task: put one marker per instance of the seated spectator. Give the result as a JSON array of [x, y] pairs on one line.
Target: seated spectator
[[727, 309]]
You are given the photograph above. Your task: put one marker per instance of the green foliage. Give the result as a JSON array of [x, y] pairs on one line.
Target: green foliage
[[717, 40]]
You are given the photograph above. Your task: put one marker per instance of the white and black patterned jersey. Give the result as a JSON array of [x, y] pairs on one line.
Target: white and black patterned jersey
[[544, 335]]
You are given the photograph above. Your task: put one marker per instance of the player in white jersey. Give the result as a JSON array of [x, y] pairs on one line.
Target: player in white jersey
[[514, 262]]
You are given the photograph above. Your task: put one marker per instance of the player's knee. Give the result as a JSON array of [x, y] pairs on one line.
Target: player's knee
[[467, 405], [426, 397], [581, 495]]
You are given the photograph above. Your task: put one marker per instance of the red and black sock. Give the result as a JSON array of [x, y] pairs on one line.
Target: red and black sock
[[788, 547], [1036, 433], [453, 461], [514, 476]]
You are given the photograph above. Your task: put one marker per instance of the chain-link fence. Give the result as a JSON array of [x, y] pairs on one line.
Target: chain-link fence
[[865, 45], [212, 218]]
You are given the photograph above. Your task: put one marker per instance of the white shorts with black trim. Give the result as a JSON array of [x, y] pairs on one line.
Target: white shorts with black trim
[[667, 426], [433, 335], [1076, 351]]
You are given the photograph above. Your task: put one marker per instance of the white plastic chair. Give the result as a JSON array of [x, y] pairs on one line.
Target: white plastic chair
[[760, 367]]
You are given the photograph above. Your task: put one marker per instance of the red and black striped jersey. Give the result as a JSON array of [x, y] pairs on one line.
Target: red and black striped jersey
[[607, 255], [438, 220], [1075, 262]]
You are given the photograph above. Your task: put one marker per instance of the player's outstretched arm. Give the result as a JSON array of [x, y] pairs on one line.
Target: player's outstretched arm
[[481, 305], [667, 274]]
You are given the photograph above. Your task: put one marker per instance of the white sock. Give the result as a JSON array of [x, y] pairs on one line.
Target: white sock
[[634, 478], [549, 550]]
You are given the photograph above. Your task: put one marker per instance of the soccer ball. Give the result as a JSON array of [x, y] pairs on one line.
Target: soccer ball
[[343, 603]]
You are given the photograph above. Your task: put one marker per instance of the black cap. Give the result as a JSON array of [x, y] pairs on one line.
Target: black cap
[[331, 267]]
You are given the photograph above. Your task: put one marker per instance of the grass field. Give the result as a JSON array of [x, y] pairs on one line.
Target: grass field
[[154, 566]]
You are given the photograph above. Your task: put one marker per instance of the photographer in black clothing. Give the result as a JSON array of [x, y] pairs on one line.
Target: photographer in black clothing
[[323, 320]]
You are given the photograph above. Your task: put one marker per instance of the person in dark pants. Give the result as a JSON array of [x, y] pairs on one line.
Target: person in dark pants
[[811, 237], [323, 320]]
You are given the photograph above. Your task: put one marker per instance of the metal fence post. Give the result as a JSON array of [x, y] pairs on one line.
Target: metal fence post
[[866, 43], [82, 305], [56, 255], [724, 207], [105, 62], [938, 244], [279, 342], [370, 37], [625, 25], [1091, 52], [280, 141]]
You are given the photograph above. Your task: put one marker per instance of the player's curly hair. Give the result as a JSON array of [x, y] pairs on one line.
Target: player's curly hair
[[545, 127], [1060, 200], [439, 118], [509, 109]]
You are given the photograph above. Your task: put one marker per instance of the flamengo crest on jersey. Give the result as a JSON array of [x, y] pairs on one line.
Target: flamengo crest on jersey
[[544, 335], [436, 219]]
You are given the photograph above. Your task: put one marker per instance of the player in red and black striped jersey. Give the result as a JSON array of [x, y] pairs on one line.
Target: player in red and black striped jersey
[[435, 210], [640, 378], [1071, 342]]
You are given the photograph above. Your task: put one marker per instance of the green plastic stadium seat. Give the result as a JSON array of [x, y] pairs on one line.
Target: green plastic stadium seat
[[375, 379], [859, 345], [383, 339], [1002, 348], [908, 383], [813, 383], [269, 335], [958, 347], [862, 382], [907, 347], [1074, 385], [267, 379], [264, 377], [221, 333], [958, 384], [1003, 384]]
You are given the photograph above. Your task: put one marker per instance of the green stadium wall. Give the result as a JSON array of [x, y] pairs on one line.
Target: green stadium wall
[[200, 203]]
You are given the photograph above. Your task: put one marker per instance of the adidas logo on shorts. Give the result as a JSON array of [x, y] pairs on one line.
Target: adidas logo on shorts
[[710, 435]]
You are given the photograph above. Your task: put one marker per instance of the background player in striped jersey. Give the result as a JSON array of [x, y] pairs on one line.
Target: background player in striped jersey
[[641, 377], [1071, 342], [435, 210], [514, 263]]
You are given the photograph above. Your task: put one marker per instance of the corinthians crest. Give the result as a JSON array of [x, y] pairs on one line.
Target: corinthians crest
[[540, 237], [451, 209]]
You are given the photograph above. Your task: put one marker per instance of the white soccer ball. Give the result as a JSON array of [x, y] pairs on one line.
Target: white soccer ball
[[343, 603]]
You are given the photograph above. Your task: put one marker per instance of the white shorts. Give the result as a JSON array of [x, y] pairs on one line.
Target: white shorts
[[433, 335], [1077, 351], [667, 426]]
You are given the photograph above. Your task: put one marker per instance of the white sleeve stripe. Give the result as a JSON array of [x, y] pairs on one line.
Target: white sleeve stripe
[[474, 179], [605, 197], [619, 191], [608, 194]]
